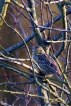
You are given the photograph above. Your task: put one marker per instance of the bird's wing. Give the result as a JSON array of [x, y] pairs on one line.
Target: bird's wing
[[47, 63]]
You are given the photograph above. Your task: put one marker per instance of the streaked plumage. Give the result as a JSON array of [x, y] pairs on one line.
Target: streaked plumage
[[46, 63]]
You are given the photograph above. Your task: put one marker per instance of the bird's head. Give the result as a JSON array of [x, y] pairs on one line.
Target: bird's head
[[38, 50]]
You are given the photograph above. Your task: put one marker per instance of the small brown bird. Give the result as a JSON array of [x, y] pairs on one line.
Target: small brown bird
[[47, 64]]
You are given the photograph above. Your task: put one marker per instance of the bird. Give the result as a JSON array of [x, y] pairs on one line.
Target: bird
[[44, 63]]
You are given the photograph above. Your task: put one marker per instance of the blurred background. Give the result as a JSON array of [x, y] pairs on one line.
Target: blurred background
[[19, 20]]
